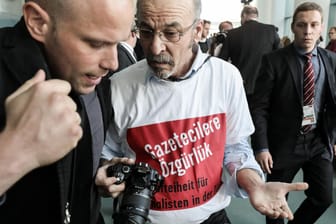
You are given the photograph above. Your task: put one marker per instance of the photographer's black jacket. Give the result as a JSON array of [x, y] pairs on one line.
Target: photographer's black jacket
[[40, 196]]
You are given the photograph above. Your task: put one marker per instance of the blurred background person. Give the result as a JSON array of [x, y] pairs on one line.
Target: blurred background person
[[332, 39], [225, 26], [219, 38], [285, 41], [205, 41]]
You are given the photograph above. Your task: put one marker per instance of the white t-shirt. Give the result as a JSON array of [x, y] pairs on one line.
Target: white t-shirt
[[180, 129]]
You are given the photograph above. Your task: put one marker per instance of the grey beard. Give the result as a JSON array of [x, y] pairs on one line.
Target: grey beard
[[162, 75]]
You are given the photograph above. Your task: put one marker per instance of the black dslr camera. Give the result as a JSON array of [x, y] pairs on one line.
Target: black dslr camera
[[141, 183], [219, 38]]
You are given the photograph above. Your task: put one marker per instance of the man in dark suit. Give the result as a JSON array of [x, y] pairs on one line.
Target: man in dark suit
[[294, 113], [245, 45], [69, 41], [126, 52], [125, 56]]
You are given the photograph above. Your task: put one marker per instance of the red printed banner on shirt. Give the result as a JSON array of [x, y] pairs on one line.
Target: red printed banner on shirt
[[187, 153]]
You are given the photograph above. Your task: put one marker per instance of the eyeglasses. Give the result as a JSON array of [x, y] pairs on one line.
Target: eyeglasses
[[168, 35]]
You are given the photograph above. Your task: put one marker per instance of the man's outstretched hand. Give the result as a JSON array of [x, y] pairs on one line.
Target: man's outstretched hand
[[270, 198]]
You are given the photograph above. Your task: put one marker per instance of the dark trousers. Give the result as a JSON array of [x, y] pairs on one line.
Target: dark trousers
[[219, 217], [312, 156]]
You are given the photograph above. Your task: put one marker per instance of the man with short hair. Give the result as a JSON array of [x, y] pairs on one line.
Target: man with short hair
[[76, 41], [225, 26], [294, 112], [218, 39]]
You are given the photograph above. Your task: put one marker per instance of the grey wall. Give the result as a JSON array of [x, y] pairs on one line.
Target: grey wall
[[10, 11]]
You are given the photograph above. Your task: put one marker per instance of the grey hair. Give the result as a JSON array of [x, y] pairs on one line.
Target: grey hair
[[197, 8]]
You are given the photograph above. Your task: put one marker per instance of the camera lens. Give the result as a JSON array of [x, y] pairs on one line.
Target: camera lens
[[141, 183], [126, 169], [136, 205]]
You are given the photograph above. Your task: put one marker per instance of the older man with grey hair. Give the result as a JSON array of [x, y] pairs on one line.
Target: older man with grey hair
[[184, 114]]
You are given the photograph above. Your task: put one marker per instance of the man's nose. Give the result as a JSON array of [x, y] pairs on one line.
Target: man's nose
[[157, 45], [109, 60]]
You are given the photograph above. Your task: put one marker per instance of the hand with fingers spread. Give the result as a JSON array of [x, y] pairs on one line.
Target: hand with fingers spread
[[268, 198], [107, 185], [265, 161], [42, 126]]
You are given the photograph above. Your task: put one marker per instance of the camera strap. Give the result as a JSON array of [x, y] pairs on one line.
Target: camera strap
[[174, 79]]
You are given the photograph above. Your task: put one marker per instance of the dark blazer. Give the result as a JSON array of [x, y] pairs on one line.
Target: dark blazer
[[276, 105], [125, 59], [245, 45], [331, 45], [41, 195]]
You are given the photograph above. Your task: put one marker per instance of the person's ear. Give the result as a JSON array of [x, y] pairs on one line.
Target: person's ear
[[133, 33], [198, 31], [37, 20]]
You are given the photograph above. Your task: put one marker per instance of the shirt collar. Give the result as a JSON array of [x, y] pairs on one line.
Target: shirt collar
[[303, 53], [127, 47]]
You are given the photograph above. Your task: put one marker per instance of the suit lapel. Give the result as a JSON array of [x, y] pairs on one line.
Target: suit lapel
[[129, 56], [294, 67], [330, 74]]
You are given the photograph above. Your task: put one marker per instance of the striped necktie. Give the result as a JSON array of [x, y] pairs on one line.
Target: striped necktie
[[308, 86]]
